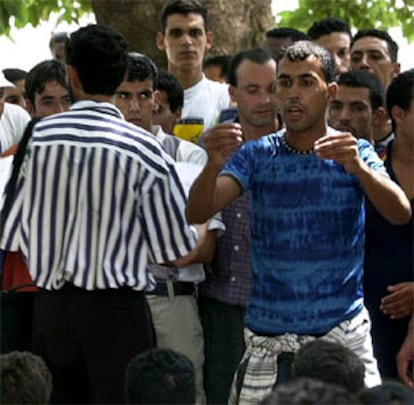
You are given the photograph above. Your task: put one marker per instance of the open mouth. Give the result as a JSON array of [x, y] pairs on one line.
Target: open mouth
[[294, 111]]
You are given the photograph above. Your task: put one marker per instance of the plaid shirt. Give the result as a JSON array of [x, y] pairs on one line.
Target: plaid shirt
[[231, 279]]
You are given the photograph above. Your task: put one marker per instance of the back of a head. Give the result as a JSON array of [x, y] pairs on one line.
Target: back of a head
[[327, 26], [287, 32], [160, 376], [383, 35], [310, 392], [222, 61], [183, 7], [14, 75], [302, 50], [365, 79], [175, 94], [330, 362], [141, 67], [388, 393], [401, 91], [259, 56], [25, 379], [43, 73], [99, 55]]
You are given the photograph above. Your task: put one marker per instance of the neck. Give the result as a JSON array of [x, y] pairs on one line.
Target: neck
[[187, 77], [100, 98], [303, 140], [403, 149]]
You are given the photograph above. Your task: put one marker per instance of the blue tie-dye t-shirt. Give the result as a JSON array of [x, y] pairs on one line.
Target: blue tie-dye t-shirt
[[307, 229]]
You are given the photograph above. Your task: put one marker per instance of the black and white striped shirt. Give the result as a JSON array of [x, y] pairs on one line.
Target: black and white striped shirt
[[96, 199]]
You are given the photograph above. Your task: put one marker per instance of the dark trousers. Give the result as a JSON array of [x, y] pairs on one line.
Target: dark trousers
[[223, 327], [87, 339]]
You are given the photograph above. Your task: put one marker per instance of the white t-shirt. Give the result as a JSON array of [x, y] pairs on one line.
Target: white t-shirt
[[205, 100], [13, 122]]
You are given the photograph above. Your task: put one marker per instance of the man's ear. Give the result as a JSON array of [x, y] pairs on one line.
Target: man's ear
[[73, 77], [397, 114], [396, 69], [31, 108], [232, 92], [159, 40], [332, 90], [157, 98], [209, 42], [379, 118]]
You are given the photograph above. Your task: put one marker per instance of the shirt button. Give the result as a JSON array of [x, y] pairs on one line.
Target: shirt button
[[238, 215], [233, 279], [236, 248]]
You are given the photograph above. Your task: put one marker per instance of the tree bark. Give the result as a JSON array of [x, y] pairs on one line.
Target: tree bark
[[236, 24]]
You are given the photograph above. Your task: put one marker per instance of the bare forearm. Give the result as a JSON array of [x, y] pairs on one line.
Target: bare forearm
[[386, 196], [201, 200]]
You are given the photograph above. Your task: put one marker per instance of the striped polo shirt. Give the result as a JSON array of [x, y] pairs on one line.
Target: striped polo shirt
[[96, 200]]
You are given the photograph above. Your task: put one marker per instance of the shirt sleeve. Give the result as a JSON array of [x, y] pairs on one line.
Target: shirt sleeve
[[241, 166], [163, 211], [370, 157], [13, 122]]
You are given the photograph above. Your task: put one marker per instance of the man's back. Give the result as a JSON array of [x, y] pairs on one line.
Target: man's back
[[104, 165]]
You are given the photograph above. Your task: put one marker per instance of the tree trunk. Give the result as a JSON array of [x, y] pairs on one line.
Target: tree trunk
[[236, 24]]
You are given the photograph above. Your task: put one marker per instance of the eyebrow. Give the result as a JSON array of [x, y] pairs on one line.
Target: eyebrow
[[301, 76]]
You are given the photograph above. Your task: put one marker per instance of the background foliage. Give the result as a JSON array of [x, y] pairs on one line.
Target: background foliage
[[381, 14], [360, 14]]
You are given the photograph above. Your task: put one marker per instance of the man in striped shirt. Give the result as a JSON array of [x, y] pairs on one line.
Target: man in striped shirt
[[96, 200]]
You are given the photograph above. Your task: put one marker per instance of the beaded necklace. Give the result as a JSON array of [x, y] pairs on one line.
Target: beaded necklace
[[291, 149]]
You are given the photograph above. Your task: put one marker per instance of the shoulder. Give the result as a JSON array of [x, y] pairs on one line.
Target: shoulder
[[15, 113]]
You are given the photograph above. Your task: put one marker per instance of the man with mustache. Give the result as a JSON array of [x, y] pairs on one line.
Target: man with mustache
[[358, 106], [308, 184]]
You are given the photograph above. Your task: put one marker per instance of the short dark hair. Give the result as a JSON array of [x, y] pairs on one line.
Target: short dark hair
[[330, 362], [362, 78], [141, 67], [99, 55], [287, 32], [301, 50], [175, 93], [58, 37], [43, 73], [389, 392], [309, 391], [327, 26], [183, 7], [391, 44], [401, 92], [223, 61], [14, 75], [25, 379], [256, 55], [160, 376]]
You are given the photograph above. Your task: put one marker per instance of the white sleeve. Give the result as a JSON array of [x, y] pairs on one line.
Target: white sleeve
[[13, 122]]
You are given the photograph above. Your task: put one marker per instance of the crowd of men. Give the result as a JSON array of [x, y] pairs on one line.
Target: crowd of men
[[183, 239]]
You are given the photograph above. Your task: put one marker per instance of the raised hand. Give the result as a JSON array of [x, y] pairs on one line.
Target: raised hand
[[341, 147], [221, 141]]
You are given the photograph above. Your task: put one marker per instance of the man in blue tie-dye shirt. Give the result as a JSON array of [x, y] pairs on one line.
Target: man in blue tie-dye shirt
[[308, 183]]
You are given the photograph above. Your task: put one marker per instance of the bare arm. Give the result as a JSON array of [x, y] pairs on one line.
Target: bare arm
[[406, 356], [210, 193], [385, 195], [203, 251]]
